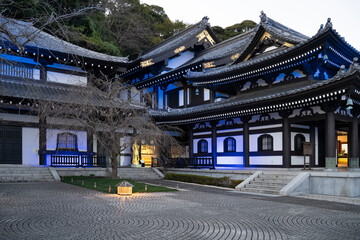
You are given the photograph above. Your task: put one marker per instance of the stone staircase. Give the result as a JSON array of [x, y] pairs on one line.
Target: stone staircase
[[141, 173], [21, 173], [269, 182]]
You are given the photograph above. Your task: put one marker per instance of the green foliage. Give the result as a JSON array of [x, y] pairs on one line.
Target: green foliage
[[116, 27], [102, 184], [233, 30], [223, 181]]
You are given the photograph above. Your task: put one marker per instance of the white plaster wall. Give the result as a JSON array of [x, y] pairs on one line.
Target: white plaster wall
[[94, 144], [126, 141], [30, 146], [201, 133], [300, 126], [293, 134], [177, 61], [125, 161], [229, 130], [238, 160], [51, 138], [18, 118], [277, 141], [266, 160], [299, 160], [195, 143], [135, 94], [66, 78], [265, 126], [36, 74], [238, 139]]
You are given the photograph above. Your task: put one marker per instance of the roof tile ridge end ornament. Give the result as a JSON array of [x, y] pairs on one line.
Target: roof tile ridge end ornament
[[263, 17], [327, 27], [354, 67], [205, 21]]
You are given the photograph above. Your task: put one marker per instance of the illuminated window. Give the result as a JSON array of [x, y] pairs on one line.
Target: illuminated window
[[181, 97], [202, 146], [229, 144], [265, 143], [67, 141], [299, 139], [206, 94]]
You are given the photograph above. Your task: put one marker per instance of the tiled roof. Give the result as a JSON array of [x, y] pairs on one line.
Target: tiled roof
[[176, 40], [50, 92], [25, 33], [261, 95], [260, 58], [228, 47], [277, 29]]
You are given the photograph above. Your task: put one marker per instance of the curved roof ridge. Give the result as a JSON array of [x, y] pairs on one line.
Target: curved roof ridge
[[252, 61], [200, 25], [268, 23], [23, 31]]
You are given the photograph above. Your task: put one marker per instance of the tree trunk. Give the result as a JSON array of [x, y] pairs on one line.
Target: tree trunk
[[114, 167]]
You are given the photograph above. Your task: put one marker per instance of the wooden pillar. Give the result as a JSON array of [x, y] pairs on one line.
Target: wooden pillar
[[330, 134], [42, 139], [191, 140], [330, 141], [354, 149], [246, 143], [312, 140], [286, 139], [214, 142], [90, 140]]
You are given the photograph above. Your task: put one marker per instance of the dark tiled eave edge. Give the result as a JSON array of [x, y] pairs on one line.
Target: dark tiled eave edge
[[285, 59], [231, 69], [167, 46], [168, 77], [162, 116], [225, 72], [41, 39], [28, 89], [192, 64], [164, 45]]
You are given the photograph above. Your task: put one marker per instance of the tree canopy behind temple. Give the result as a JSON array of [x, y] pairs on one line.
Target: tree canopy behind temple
[[115, 27], [232, 31]]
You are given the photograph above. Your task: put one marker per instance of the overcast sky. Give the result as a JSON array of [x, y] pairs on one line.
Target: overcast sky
[[304, 16]]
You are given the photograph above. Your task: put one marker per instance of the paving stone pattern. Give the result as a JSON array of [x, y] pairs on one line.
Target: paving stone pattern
[[55, 210]]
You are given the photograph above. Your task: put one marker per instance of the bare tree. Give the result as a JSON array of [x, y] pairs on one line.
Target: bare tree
[[117, 119]]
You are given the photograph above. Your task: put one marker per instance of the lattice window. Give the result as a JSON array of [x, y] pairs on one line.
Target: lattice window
[[67, 141], [229, 144], [16, 71], [298, 140], [202, 146], [265, 143]]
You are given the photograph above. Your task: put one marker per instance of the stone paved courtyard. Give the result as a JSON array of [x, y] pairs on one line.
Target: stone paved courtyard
[[62, 211]]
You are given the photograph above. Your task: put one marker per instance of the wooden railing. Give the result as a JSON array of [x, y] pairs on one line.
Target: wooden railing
[[77, 161], [195, 162]]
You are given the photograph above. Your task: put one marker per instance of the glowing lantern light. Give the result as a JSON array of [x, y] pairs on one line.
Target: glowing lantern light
[[124, 188]]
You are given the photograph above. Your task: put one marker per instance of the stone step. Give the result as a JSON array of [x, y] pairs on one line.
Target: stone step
[[288, 173], [23, 171], [273, 181], [275, 177], [271, 187], [258, 190], [19, 173]]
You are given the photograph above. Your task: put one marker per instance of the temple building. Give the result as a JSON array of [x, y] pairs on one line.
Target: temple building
[[38, 67], [254, 99], [249, 101]]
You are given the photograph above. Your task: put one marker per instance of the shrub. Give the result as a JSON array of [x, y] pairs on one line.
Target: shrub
[[223, 181]]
